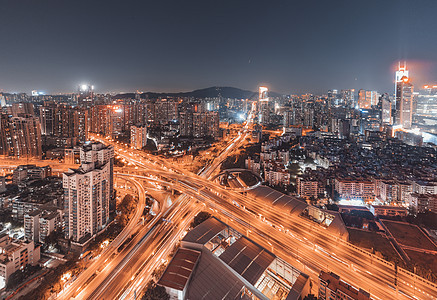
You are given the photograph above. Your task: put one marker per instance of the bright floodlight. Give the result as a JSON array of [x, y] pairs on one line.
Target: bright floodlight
[[84, 87]]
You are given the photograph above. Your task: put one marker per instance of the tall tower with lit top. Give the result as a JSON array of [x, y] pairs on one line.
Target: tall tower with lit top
[[263, 101], [404, 98]]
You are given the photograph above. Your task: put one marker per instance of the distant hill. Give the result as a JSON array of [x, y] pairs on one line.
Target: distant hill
[[211, 92]]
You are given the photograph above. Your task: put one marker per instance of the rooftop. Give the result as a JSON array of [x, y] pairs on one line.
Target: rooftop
[[34, 213], [204, 232], [334, 283], [390, 207], [278, 199], [247, 258], [50, 215], [179, 269], [213, 280], [295, 207]]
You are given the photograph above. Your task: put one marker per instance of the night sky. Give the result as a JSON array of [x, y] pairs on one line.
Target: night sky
[[292, 46]]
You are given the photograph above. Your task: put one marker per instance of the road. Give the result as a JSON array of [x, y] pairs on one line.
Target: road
[[163, 242], [132, 226], [310, 244], [57, 167], [123, 267], [313, 250], [303, 241], [152, 255], [297, 240]]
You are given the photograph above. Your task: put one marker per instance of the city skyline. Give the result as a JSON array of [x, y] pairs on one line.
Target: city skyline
[[290, 47], [169, 150]]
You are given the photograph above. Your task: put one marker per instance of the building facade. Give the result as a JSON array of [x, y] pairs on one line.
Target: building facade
[[307, 187], [404, 98], [15, 255], [358, 189], [20, 136], [138, 136], [366, 99], [87, 192]]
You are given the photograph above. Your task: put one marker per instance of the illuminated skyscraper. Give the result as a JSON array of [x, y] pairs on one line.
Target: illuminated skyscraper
[[404, 98], [264, 112]]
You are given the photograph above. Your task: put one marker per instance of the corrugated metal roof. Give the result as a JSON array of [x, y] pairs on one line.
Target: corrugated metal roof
[[295, 207], [179, 269], [247, 258], [204, 232], [278, 199], [212, 280]]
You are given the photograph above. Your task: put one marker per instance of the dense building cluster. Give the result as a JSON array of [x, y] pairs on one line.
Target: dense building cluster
[[354, 146], [38, 123]]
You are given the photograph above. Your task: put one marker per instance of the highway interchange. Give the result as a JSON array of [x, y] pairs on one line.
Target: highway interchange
[[301, 242]]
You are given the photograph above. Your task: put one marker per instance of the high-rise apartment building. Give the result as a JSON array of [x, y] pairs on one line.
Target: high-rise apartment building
[[2, 100], [426, 101], [87, 192], [200, 124], [404, 98], [197, 122], [63, 125], [85, 96], [139, 113], [162, 111], [20, 136], [116, 119], [101, 120], [22, 108], [288, 118], [2, 184], [31, 225], [334, 98], [138, 136]]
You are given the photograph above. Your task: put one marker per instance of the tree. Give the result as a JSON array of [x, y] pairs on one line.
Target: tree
[[19, 276], [16, 278], [54, 237], [310, 297], [126, 206], [200, 218], [333, 207], [150, 146], [156, 292]]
